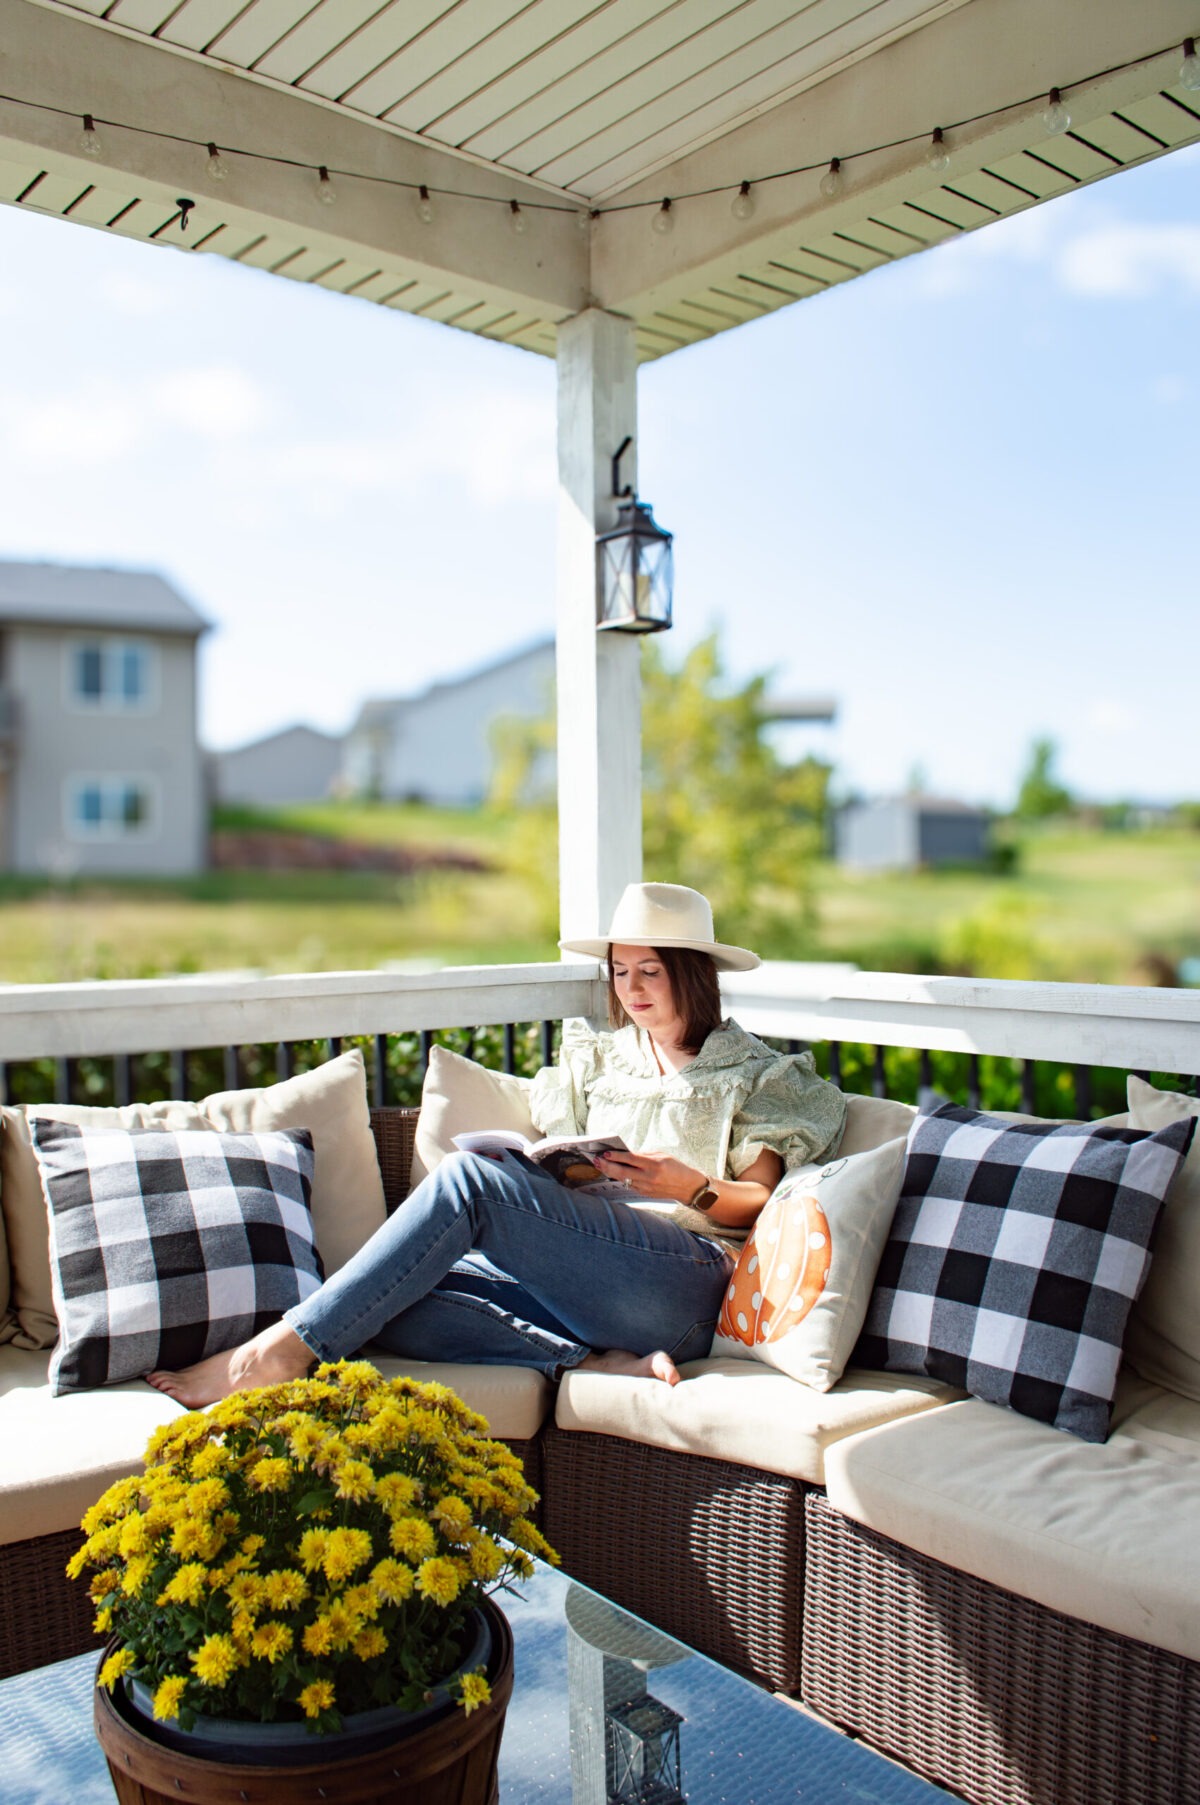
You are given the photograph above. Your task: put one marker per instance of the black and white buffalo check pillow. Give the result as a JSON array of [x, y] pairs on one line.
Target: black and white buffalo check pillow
[[1015, 1256], [167, 1247]]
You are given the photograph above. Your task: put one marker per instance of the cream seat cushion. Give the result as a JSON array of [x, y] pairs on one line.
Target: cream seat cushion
[[61, 1453], [1106, 1532], [740, 1411]]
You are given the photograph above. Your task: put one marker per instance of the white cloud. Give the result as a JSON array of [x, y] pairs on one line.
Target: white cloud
[[93, 425], [1130, 259], [1169, 389], [1107, 715], [218, 402]]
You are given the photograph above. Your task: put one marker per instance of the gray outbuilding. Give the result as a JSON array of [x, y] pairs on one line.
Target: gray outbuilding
[[905, 833]]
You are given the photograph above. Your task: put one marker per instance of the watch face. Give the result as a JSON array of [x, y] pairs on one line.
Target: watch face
[[705, 1200]]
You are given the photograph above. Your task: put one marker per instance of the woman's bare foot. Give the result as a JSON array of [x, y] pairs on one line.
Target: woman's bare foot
[[273, 1355], [635, 1366]]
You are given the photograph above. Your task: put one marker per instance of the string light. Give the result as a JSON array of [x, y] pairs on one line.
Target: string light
[[743, 203], [1189, 69], [1056, 117]]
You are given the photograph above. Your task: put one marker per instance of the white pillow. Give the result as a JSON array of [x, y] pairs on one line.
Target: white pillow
[[1163, 1337], [799, 1293], [459, 1096]]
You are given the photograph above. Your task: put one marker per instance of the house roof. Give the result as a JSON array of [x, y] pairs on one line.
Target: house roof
[[585, 114], [66, 595], [379, 711]]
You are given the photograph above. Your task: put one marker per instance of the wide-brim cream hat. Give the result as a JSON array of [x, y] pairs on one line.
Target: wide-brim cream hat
[[665, 915]]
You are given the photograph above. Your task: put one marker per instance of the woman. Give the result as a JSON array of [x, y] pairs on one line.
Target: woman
[[494, 1262]]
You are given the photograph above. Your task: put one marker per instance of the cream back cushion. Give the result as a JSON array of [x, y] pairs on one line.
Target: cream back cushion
[[459, 1097], [1163, 1337], [347, 1196]]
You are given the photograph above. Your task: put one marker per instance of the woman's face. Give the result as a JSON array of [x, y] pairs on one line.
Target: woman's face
[[644, 990]]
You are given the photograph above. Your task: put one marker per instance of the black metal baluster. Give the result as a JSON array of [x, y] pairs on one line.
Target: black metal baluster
[[333, 1046], [835, 1063], [1144, 1076], [285, 1060], [924, 1077], [122, 1079], [179, 1074], [381, 1071], [64, 1078], [230, 1064], [426, 1050], [1028, 1088], [510, 1047], [547, 1043], [973, 1090], [878, 1075], [469, 1044], [1083, 1092], [3, 1081]]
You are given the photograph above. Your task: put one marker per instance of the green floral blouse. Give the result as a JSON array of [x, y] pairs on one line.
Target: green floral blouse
[[735, 1099]]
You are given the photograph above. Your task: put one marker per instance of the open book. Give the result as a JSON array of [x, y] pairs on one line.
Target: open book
[[568, 1158]]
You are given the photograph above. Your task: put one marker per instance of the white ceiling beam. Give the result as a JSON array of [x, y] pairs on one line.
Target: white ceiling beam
[[79, 66], [970, 64]]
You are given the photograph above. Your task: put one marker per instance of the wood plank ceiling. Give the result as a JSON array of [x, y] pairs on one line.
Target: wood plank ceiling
[[585, 113]]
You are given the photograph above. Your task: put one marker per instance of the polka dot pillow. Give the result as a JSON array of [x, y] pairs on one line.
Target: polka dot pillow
[[798, 1295]]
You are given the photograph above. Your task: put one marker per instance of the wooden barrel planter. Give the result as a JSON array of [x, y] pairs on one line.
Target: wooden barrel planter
[[449, 1761]]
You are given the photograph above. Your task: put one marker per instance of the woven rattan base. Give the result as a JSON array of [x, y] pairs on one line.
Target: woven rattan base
[[710, 1552], [989, 1694], [44, 1616]]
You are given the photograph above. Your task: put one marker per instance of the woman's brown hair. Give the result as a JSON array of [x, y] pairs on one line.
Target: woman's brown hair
[[695, 993]]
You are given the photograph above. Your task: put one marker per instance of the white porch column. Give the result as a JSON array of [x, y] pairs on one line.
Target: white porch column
[[598, 674]]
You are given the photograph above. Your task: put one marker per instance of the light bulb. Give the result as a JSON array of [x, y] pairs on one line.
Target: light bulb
[[1056, 117], [937, 157], [218, 168], [742, 205], [663, 221], [326, 192], [1189, 69], [424, 206], [89, 138], [515, 217], [832, 182]]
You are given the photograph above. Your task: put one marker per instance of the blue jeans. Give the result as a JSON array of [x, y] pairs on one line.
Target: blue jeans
[[494, 1263]]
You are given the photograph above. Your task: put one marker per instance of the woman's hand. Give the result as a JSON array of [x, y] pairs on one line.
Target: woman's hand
[[653, 1174]]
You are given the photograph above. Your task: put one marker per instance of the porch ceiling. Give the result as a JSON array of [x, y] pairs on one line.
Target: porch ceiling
[[587, 113]]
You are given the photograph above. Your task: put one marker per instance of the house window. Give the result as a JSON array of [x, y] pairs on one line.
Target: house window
[[110, 673], [109, 808]]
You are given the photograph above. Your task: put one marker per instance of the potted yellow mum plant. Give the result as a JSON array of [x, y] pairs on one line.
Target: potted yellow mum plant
[[303, 1575]]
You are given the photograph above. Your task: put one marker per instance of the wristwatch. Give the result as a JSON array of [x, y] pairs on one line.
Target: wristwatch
[[704, 1199]]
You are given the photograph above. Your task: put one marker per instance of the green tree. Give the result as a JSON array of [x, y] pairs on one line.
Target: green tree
[[1041, 795], [721, 810]]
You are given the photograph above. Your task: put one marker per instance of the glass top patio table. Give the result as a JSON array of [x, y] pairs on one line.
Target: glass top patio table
[[604, 1709]]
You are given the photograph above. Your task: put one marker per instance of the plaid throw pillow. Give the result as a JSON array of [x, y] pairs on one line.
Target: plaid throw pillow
[[167, 1247], [1014, 1258]]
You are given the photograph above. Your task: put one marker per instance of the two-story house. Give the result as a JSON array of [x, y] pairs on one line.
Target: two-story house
[[100, 764]]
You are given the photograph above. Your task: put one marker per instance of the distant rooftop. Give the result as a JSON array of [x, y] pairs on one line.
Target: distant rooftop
[[82, 595]]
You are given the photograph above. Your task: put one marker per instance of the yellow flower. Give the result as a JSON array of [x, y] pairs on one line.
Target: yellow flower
[[246, 1593], [285, 1589], [304, 1439], [134, 1538], [412, 1536], [271, 1641], [439, 1580], [371, 1643], [186, 1586], [345, 1549], [206, 1497], [312, 1549], [393, 1581], [214, 1660], [316, 1698], [358, 1377], [103, 1620], [101, 1584], [169, 1695], [395, 1491], [474, 1691], [274, 1474], [527, 1536], [117, 1663], [137, 1572], [208, 1461], [318, 1637], [78, 1561], [354, 1480], [452, 1516], [486, 1559], [252, 1545], [344, 1624]]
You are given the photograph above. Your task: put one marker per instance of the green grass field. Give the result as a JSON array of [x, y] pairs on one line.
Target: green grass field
[[1082, 905]]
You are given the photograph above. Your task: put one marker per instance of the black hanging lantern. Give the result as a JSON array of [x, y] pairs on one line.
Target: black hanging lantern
[[634, 566]]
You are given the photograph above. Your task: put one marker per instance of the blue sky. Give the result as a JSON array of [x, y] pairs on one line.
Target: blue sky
[[960, 493]]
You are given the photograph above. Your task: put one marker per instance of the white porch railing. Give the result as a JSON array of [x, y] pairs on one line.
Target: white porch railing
[[1078, 1024]]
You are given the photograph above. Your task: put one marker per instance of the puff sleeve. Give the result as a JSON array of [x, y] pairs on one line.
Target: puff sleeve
[[788, 1110], [558, 1094]]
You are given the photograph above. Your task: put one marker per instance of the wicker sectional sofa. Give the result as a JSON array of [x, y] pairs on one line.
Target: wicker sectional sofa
[[1013, 1613]]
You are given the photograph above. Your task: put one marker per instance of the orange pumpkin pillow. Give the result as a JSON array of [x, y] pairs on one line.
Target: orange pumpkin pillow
[[799, 1292]]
